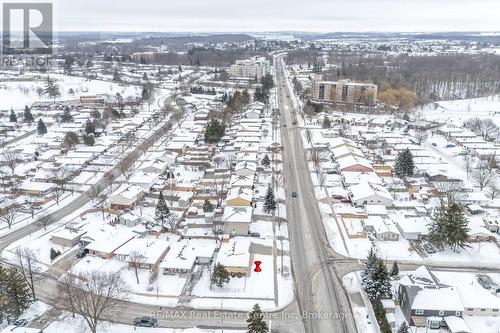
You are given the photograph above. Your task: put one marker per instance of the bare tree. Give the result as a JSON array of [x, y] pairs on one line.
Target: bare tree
[[468, 163], [218, 187], [62, 176], [344, 128], [316, 156], [169, 194], [125, 165], [135, 260], [11, 159], [29, 267], [421, 136], [94, 294], [9, 214], [494, 190], [172, 221], [321, 178], [94, 191], [45, 221], [488, 129], [32, 206], [482, 176], [452, 191], [101, 203]]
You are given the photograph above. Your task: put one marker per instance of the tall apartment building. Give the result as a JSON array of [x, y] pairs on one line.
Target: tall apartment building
[[345, 91], [250, 68]]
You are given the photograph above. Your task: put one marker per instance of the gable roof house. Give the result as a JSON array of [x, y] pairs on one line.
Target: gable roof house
[[367, 193], [126, 196], [425, 301], [237, 220]]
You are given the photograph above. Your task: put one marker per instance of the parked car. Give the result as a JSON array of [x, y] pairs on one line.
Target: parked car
[[82, 253], [429, 248], [21, 322], [294, 194], [145, 322], [485, 281], [434, 144]]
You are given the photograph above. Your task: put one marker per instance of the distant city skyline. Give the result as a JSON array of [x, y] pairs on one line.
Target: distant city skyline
[[274, 15]]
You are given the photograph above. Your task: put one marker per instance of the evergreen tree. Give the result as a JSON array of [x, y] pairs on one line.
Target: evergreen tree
[[256, 323], [89, 127], [270, 202], [208, 207], [266, 162], [116, 75], [214, 131], [375, 277], [27, 116], [220, 275], [403, 328], [51, 88], [89, 139], [41, 128], [458, 227], [13, 116], [16, 293], [327, 123], [66, 116], [394, 269], [70, 139], [403, 165], [449, 227], [162, 212]]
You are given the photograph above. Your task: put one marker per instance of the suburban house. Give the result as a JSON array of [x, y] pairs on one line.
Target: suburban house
[[106, 242], [185, 254], [126, 196], [425, 301], [236, 220], [145, 252], [235, 256], [238, 196], [367, 193]]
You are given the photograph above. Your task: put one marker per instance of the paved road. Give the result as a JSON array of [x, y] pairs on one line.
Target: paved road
[[318, 289]]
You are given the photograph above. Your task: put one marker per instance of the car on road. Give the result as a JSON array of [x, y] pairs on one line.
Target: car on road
[[145, 322], [294, 194], [294, 122], [434, 144], [21, 322]]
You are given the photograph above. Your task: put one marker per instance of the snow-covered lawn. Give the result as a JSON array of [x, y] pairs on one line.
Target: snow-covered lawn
[[17, 94]]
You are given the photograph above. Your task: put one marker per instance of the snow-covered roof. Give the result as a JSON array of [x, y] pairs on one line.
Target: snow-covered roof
[[239, 193], [149, 249], [238, 214], [235, 253], [183, 254], [367, 190], [446, 299], [350, 160]]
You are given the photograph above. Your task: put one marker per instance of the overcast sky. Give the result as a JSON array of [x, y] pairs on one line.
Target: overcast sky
[[277, 15]]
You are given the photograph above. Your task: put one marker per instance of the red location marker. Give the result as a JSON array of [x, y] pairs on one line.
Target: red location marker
[[257, 266]]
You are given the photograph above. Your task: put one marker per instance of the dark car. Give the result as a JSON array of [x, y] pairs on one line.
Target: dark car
[[434, 144], [294, 194], [82, 253], [145, 322], [21, 322]]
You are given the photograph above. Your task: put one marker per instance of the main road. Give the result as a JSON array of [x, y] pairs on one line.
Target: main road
[[318, 289]]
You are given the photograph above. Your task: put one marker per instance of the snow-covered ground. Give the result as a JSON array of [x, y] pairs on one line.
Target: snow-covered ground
[[17, 94]]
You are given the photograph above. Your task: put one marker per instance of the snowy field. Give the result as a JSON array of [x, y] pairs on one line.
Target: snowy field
[[457, 111], [17, 94]]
